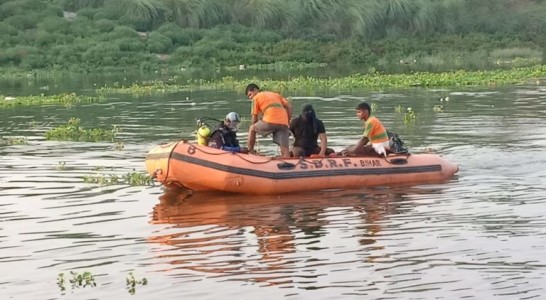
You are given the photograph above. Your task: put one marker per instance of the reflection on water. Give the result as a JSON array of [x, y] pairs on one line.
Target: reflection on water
[[266, 239], [481, 235]]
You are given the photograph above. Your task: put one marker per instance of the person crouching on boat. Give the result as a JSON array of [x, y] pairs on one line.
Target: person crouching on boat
[[224, 136], [374, 141], [307, 128]]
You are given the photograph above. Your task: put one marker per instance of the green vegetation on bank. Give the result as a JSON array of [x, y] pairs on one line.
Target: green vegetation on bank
[[156, 35], [357, 81]]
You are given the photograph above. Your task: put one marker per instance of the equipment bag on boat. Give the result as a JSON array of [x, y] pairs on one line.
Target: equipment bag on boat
[[396, 144]]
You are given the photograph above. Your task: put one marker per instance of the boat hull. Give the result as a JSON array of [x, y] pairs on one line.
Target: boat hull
[[202, 168]]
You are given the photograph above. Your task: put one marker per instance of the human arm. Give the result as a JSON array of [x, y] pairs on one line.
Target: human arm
[[216, 140], [255, 110], [355, 149], [288, 106], [251, 139], [362, 142], [292, 125], [323, 144], [321, 130]]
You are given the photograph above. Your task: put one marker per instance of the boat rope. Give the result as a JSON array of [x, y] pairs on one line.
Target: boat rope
[[168, 164], [243, 157], [398, 160]]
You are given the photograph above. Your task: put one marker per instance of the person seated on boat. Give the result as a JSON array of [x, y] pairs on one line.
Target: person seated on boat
[[374, 141], [307, 128], [224, 136], [276, 112]]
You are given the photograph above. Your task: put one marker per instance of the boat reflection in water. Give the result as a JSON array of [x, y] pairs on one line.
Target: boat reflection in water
[[273, 239]]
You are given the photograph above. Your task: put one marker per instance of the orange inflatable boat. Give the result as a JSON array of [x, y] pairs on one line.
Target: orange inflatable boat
[[201, 168]]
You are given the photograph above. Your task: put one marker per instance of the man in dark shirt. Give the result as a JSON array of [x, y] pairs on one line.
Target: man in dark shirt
[[307, 128], [224, 136]]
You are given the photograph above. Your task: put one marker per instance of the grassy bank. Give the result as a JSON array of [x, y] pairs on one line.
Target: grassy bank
[[40, 38]]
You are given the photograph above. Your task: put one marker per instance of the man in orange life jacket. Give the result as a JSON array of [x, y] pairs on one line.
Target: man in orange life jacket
[[276, 111], [374, 141]]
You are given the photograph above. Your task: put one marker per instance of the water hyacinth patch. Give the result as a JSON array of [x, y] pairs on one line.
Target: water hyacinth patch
[[409, 116], [352, 82], [132, 282], [15, 140], [132, 178], [72, 131], [67, 100], [78, 280]]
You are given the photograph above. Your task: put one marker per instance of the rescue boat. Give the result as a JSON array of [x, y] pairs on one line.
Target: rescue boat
[[201, 168]]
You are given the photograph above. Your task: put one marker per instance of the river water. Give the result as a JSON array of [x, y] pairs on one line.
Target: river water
[[481, 235]]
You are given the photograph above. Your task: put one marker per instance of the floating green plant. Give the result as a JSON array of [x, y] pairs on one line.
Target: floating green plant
[[132, 178], [147, 88], [67, 100], [77, 280], [438, 108], [119, 146], [136, 178], [132, 282], [409, 116], [102, 179], [61, 166], [374, 106], [16, 140], [281, 65], [72, 131], [60, 282], [398, 109]]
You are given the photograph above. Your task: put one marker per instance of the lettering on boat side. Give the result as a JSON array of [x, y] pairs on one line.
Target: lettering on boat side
[[343, 163]]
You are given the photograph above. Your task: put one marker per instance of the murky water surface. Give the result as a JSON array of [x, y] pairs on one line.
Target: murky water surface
[[480, 236]]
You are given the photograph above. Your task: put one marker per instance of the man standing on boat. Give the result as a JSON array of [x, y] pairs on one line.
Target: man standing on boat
[[307, 128], [276, 111], [374, 141]]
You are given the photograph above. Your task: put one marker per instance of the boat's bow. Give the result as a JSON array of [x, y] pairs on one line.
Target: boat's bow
[[157, 161]]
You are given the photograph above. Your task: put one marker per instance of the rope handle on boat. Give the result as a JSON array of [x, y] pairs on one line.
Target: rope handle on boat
[[154, 176], [398, 160]]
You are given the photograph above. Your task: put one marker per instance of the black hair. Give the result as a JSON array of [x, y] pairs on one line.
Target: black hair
[[312, 117], [307, 107], [364, 106], [252, 87]]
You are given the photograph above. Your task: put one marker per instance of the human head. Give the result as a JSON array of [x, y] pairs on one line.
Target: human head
[[363, 111], [307, 112], [232, 120], [251, 90]]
